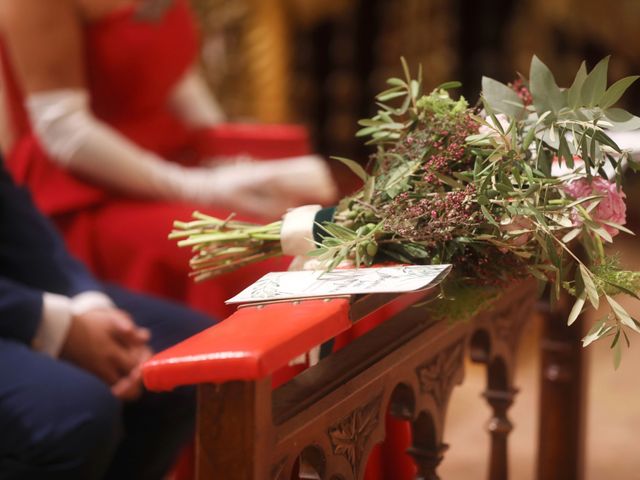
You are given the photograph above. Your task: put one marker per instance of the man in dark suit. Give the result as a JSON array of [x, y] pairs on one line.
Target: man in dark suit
[[71, 401]]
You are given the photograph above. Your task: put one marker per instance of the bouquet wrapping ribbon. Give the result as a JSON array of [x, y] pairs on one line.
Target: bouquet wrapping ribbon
[[301, 230]]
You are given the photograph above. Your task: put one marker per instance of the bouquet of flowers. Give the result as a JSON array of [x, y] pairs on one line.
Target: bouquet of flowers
[[527, 183]]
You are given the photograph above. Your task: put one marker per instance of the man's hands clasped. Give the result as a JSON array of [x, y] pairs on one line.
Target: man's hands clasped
[[107, 343]]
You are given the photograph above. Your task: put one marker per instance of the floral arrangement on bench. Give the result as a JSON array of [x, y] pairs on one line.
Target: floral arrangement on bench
[[525, 184]]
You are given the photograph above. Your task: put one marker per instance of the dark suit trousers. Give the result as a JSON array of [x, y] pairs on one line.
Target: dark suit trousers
[[58, 421]]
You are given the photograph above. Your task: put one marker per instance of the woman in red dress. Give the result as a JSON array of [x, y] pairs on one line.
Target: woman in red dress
[[110, 125]]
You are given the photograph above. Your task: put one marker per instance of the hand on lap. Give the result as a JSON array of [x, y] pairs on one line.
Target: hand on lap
[[107, 343]]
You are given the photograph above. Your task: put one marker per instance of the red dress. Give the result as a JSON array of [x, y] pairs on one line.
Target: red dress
[[131, 68]]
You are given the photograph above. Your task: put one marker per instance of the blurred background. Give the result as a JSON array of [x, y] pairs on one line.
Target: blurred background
[[321, 62]]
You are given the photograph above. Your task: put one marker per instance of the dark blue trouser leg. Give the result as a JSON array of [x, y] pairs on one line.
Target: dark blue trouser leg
[[56, 421], [158, 424], [59, 422]]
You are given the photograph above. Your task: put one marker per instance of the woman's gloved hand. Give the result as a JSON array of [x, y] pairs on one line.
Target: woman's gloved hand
[[267, 187]]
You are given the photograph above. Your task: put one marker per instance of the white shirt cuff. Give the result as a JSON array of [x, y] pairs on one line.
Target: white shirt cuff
[[296, 234], [57, 312], [91, 300], [56, 320]]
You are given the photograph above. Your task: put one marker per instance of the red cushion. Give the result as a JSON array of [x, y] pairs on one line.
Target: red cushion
[[256, 140], [249, 345]]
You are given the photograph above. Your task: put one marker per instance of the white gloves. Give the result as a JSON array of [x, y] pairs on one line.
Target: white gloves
[[267, 187], [77, 140]]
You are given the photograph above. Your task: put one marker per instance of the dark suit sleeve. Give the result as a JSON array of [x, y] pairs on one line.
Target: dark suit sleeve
[[20, 311], [33, 259]]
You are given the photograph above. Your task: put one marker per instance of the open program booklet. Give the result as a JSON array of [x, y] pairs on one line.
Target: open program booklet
[[277, 286]]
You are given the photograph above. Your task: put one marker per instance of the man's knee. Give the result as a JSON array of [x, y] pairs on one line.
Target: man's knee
[[78, 433], [97, 423]]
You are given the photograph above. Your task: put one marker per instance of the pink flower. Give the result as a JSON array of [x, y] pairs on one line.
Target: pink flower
[[523, 91], [611, 207]]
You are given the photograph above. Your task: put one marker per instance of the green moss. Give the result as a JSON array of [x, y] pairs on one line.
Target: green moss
[[461, 301], [611, 279], [441, 104]]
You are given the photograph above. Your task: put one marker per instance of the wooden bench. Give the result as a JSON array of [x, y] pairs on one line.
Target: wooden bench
[[324, 422]]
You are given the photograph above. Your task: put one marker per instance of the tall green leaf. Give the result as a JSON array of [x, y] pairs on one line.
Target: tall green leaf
[[574, 94], [577, 308], [547, 96], [617, 355], [565, 151], [616, 91], [589, 286], [622, 314], [355, 167], [595, 85], [499, 98]]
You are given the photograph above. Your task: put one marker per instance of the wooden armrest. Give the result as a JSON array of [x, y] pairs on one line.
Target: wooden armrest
[[257, 340], [249, 345]]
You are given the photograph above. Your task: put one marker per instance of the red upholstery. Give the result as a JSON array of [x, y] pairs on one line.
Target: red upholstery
[[257, 140], [251, 344], [258, 340]]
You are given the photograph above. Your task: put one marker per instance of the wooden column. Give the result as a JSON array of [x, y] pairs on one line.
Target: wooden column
[[562, 397], [267, 48], [427, 460], [499, 428], [233, 422], [427, 451]]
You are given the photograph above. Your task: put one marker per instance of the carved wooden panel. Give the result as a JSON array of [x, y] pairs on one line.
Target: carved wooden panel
[[349, 437], [343, 399], [437, 376]]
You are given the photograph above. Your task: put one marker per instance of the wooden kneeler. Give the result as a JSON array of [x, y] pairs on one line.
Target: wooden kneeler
[[324, 422]]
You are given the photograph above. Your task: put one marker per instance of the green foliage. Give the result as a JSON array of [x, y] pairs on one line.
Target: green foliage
[[451, 184], [489, 204]]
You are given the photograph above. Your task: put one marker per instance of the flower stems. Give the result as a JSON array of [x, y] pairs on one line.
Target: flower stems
[[223, 245]]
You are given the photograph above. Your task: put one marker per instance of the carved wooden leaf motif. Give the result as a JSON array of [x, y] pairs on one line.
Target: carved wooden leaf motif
[[350, 435], [437, 376]]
